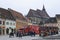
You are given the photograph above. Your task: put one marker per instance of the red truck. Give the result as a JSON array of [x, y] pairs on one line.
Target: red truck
[[30, 28], [42, 31]]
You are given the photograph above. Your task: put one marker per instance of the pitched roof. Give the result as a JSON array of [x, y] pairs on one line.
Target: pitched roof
[[32, 13], [42, 13], [37, 13], [5, 14], [17, 15]]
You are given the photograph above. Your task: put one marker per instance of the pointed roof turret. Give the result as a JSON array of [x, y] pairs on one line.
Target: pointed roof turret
[[44, 13], [43, 8]]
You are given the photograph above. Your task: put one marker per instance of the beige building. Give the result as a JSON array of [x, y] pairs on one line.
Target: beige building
[[21, 24], [21, 21], [58, 20], [52, 22]]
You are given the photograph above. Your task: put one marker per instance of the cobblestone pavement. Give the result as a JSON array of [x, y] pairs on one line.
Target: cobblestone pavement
[[6, 37], [52, 37]]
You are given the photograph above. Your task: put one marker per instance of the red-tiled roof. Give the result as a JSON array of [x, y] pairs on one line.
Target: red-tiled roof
[[42, 13], [32, 13], [4, 13], [17, 15], [38, 13]]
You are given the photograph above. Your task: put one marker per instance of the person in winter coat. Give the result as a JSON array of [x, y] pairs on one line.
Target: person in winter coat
[[20, 34], [11, 34], [17, 34]]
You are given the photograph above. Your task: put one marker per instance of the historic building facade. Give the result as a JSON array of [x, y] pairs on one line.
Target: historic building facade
[[51, 22], [58, 20], [6, 18], [36, 16], [10, 25], [21, 21], [2, 26]]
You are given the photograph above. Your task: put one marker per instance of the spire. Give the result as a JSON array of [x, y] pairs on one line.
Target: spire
[[43, 8]]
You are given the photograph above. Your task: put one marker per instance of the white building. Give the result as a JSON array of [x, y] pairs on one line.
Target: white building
[[6, 21], [10, 25], [7, 26]]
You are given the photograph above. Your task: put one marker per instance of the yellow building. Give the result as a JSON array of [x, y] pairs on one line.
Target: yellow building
[[21, 24], [21, 21]]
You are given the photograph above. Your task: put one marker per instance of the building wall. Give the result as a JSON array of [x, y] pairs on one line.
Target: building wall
[[21, 24], [2, 20], [10, 23], [58, 23], [2, 26], [35, 20], [51, 24]]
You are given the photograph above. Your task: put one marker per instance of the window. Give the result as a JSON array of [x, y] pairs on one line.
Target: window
[[0, 22], [10, 23], [7, 23], [3, 22], [13, 23]]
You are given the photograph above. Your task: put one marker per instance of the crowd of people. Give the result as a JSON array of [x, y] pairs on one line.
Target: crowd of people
[[20, 34]]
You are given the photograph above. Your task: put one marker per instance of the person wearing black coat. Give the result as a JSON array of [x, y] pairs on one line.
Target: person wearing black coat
[[17, 34], [20, 34], [11, 34]]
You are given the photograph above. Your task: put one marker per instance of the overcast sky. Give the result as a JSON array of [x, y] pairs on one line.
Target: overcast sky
[[23, 6]]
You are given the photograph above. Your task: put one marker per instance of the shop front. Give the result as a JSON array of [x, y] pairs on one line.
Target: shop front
[[9, 30], [2, 30]]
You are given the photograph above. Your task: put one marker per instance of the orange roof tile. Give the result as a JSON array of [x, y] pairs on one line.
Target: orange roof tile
[[17, 15]]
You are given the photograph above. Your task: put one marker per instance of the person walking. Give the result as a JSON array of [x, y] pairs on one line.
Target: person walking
[[11, 34], [17, 34], [20, 34]]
